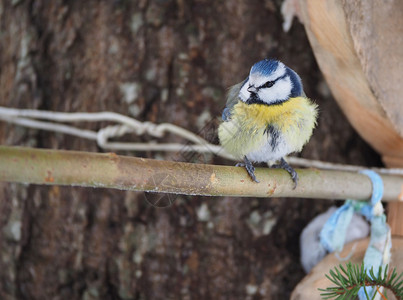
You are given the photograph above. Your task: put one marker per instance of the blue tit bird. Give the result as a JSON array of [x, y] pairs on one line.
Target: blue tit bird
[[267, 116]]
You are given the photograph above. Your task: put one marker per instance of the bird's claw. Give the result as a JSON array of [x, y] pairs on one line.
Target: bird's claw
[[249, 168], [284, 165]]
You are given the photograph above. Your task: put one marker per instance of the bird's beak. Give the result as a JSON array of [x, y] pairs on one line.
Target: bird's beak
[[252, 89]]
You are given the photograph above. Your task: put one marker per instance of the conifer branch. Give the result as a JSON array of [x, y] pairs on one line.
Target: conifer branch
[[350, 279]]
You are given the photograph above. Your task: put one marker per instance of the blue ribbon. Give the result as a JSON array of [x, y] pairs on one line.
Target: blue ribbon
[[333, 233]]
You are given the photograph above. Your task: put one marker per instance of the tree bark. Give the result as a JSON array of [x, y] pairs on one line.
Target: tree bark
[[162, 61]]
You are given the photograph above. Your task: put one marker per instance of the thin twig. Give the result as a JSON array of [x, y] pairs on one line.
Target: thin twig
[[57, 167], [380, 293]]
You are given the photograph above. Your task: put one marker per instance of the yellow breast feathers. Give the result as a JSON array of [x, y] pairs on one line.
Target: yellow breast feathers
[[249, 126]]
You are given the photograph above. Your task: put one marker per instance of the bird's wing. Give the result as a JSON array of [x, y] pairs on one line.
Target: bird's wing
[[232, 99]]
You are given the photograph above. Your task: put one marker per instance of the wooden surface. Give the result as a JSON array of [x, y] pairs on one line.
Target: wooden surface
[[334, 48], [307, 289], [359, 49], [376, 29]]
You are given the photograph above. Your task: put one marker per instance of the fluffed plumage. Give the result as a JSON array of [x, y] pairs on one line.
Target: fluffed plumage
[[267, 116]]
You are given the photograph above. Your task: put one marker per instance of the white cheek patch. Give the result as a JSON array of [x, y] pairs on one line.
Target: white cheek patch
[[280, 91]]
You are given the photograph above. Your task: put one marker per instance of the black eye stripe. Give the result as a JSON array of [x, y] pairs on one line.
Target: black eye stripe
[[269, 84]]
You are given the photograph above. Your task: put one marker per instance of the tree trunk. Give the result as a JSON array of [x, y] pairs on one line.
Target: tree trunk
[[161, 61]]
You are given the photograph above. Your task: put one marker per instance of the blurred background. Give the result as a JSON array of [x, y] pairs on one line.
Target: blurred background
[[165, 61]]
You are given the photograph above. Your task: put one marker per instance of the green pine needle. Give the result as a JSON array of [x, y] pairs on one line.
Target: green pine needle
[[349, 279]]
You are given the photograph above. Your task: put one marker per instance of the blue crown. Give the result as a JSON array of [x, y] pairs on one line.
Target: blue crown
[[265, 67]]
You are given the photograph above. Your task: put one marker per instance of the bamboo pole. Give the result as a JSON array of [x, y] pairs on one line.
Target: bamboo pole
[[72, 168]]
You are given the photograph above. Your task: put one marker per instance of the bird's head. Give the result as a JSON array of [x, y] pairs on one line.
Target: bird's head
[[270, 82]]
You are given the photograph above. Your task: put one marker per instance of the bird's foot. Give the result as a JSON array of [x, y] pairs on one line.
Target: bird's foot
[[249, 167], [285, 166]]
